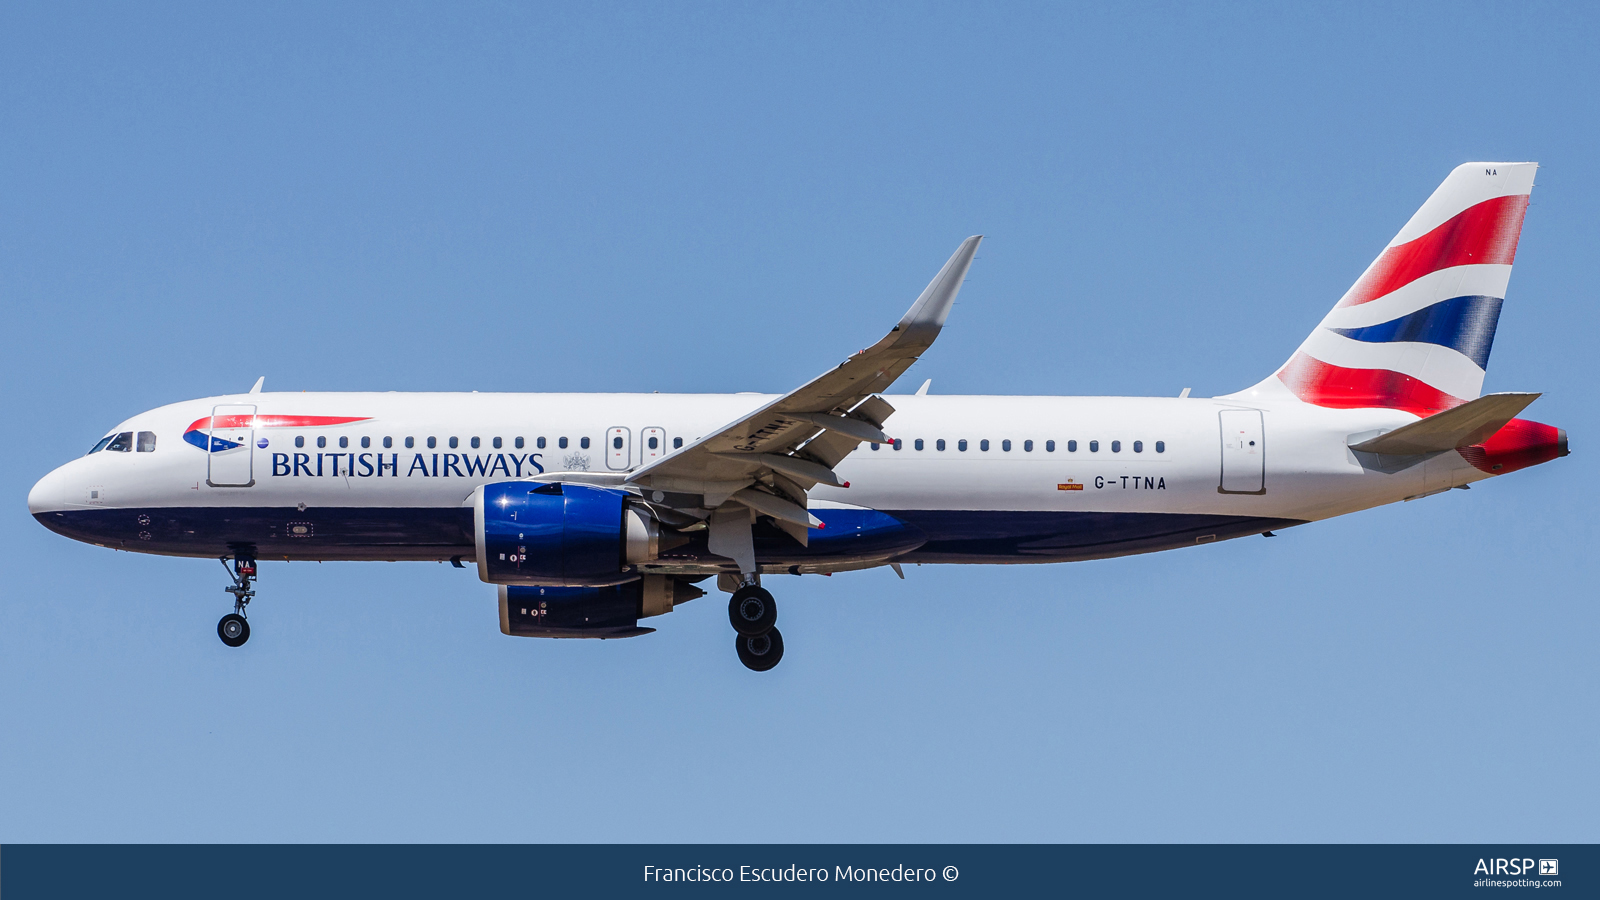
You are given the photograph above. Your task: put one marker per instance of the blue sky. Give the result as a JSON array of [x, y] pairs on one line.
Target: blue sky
[[733, 197]]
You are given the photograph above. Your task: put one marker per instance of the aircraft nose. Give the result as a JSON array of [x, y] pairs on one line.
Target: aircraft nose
[[51, 493]]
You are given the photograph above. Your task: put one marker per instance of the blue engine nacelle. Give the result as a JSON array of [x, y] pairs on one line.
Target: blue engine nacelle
[[559, 535], [590, 612]]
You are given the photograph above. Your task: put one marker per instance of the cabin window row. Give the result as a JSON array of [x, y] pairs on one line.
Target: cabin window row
[[453, 443], [1027, 446]]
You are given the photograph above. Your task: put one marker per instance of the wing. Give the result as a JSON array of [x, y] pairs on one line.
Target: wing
[[767, 460]]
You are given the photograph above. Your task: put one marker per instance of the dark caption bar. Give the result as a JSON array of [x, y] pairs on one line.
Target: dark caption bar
[[943, 871]]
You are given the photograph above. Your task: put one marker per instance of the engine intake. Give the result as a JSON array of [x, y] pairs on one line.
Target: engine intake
[[559, 535]]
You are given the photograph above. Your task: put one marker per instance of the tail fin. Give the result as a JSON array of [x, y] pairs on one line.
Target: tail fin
[[1415, 330]]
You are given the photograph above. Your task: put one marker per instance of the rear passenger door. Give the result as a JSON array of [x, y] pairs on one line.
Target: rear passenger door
[[1244, 452]]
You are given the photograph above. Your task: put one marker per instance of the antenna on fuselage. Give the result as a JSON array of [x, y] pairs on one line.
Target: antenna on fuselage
[[259, 382]]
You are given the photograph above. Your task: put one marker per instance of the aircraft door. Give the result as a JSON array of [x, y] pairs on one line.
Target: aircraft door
[[654, 447], [1244, 452], [230, 446], [618, 449]]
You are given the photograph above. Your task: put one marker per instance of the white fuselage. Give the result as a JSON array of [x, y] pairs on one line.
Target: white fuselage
[[1073, 467]]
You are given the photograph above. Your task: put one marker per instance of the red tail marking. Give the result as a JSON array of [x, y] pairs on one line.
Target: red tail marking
[[1485, 234], [1315, 381]]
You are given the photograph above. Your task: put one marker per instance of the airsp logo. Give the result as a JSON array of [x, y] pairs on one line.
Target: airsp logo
[[1516, 867]]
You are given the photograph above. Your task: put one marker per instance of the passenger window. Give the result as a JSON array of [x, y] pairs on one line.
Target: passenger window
[[1050, 446], [496, 443], [1138, 446], [654, 442], [616, 442], [299, 440], [1116, 446], [562, 443], [433, 442], [919, 443], [454, 442], [1094, 446], [874, 446], [984, 445], [322, 441], [1027, 446], [476, 443], [388, 442], [939, 444], [519, 442], [962, 445], [122, 443], [101, 445], [1072, 446], [147, 442], [584, 443], [1006, 446], [366, 442], [898, 443], [344, 442], [539, 443], [411, 443], [677, 443], [1161, 446]]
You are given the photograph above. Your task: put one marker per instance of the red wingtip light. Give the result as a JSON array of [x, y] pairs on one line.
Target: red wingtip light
[[846, 484]]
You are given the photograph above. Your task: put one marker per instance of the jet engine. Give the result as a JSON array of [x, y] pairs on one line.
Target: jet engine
[[560, 535], [590, 612]]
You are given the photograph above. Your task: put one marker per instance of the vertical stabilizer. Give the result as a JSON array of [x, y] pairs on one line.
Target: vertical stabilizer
[[1415, 330]]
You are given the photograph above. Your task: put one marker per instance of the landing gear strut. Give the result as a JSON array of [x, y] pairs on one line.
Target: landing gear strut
[[754, 613], [234, 629]]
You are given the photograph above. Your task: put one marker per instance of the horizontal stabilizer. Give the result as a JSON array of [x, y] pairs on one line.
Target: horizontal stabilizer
[[1470, 423]]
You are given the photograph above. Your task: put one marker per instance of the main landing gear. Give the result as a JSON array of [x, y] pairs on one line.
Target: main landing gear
[[754, 613], [234, 629]]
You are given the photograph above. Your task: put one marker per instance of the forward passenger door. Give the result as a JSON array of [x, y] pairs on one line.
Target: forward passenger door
[[230, 446]]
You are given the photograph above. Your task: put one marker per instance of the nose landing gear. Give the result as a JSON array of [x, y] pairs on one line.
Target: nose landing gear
[[753, 614], [233, 628]]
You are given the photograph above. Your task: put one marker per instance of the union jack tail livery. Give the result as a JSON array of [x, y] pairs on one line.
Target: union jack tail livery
[[1414, 332]]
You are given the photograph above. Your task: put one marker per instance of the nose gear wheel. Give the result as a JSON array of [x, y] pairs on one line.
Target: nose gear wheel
[[233, 629]]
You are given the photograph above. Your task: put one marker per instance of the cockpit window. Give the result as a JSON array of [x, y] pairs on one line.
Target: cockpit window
[[122, 443], [147, 442], [103, 442]]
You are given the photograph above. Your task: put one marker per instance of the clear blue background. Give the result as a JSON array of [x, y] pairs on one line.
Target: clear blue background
[[733, 197]]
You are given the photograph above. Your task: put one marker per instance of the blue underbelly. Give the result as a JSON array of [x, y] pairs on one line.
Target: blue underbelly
[[930, 536]]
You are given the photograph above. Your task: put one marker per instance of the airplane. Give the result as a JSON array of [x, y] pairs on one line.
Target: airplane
[[592, 512]]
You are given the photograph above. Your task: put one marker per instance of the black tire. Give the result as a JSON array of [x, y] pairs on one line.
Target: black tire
[[752, 611], [760, 652], [233, 630]]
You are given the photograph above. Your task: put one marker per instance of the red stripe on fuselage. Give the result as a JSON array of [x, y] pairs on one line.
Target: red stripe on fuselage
[[1317, 382], [1485, 234], [271, 421]]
